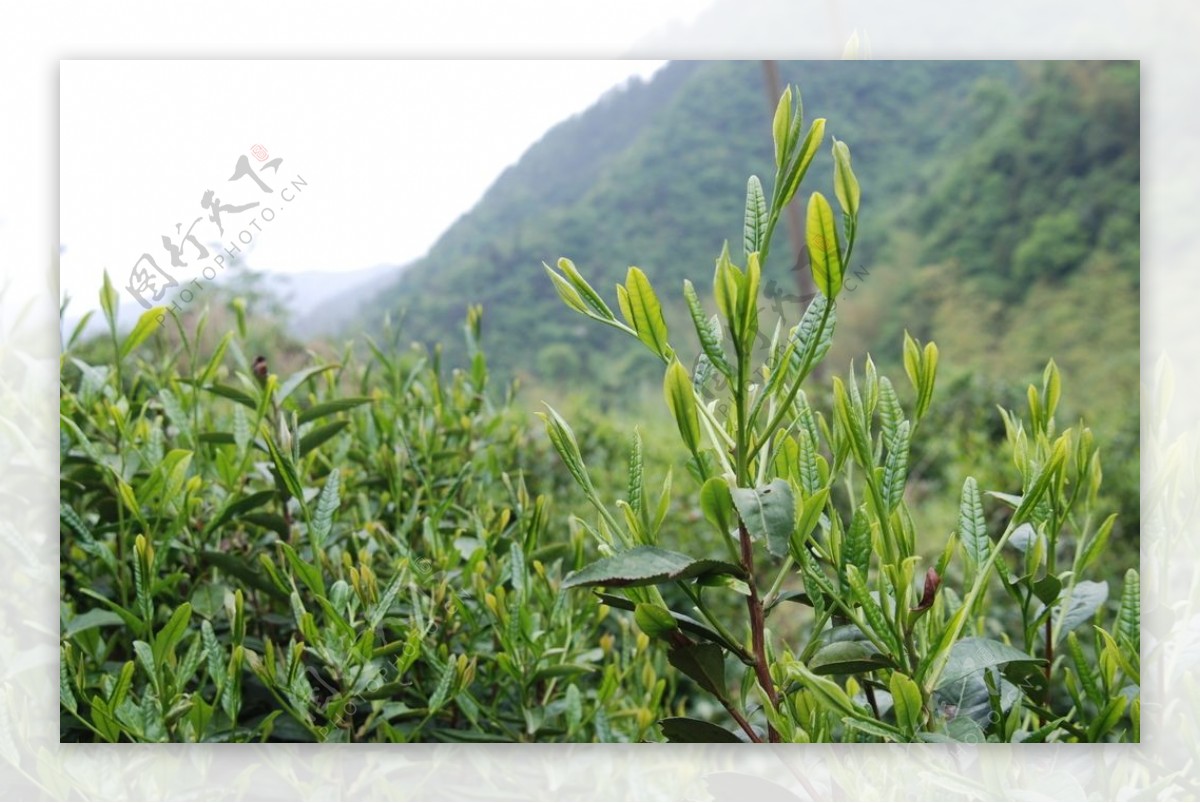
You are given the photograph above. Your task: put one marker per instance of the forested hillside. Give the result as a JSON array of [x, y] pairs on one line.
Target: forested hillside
[[651, 176]]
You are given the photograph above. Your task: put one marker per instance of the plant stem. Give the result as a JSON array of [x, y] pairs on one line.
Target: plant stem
[[754, 604], [1049, 655], [773, 424], [741, 721]]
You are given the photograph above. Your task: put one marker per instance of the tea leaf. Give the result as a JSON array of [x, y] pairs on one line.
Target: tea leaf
[[654, 620], [845, 184], [795, 173], [289, 385], [780, 130], [1085, 599], [644, 566], [769, 513], [824, 250], [317, 436], [717, 504], [971, 655], [645, 313], [848, 658], [330, 407], [171, 633], [812, 340], [895, 469], [706, 330], [233, 394], [695, 731], [566, 292], [87, 621], [1129, 614], [906, 702], [972, 529], [327, 505], [703, 663], [677, 388], [146, 326], [585, 290], [754, 229]]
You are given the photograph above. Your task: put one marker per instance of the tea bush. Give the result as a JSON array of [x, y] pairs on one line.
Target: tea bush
[[997, 635], [347, 553]]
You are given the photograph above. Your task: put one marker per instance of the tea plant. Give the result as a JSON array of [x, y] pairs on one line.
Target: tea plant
[[809, 505], [347, 553]]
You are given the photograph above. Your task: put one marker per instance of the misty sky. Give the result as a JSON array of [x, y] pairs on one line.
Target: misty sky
[[378, 158]]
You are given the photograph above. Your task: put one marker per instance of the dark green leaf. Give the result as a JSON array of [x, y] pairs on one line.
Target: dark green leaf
[[330, 407], [1086, 599], [972, 655], [703, 663], [695, 731], [644, 566], [1047, 589], [311, 440], [848, 658], [233, 394], [799, 597]]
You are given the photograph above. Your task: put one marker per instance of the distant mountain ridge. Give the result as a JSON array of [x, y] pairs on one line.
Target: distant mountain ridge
[[654, 175]]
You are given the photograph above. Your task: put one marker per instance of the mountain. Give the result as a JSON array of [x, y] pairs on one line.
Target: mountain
[[654, 176]]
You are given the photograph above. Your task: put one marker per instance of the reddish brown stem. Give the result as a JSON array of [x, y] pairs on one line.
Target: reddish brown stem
[[757, 628], [741, 720], [1049, 655]]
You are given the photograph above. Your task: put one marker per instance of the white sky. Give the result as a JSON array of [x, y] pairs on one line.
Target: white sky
[[392, 153]]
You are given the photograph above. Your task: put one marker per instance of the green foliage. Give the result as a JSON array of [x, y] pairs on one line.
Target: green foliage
[[346, 553], [816, 497]]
